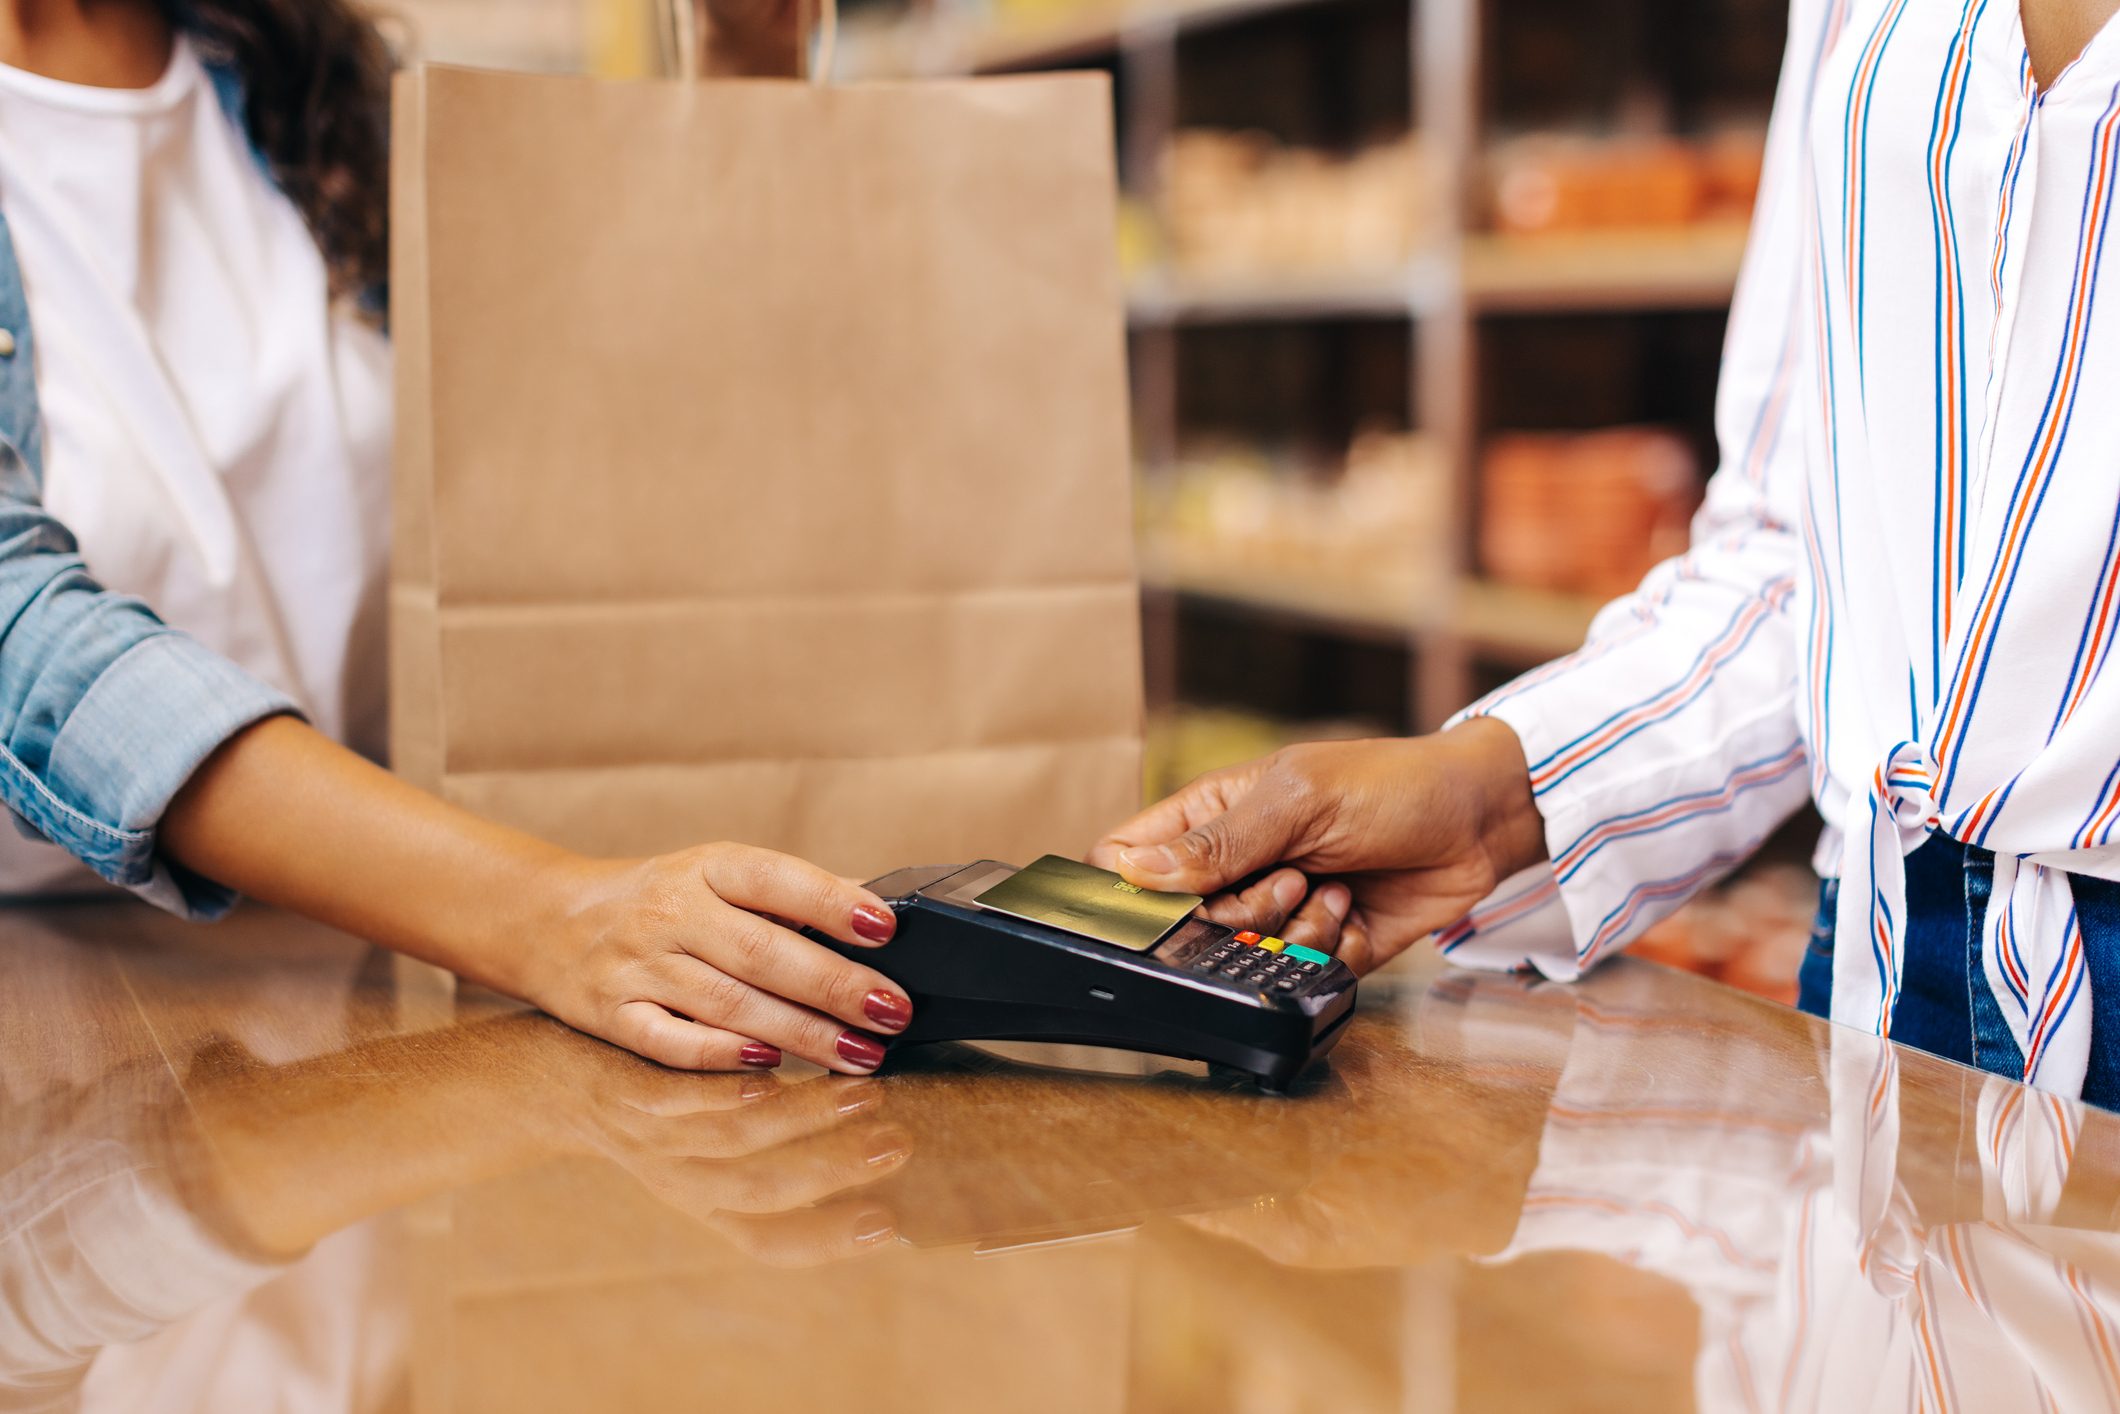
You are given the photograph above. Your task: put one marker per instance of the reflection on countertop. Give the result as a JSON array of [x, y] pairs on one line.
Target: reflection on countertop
[[262, 1167]]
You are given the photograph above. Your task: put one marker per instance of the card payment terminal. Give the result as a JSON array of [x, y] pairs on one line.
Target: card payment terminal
[[1200, 991]]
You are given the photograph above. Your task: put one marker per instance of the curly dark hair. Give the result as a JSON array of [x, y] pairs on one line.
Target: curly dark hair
[[316, 80]]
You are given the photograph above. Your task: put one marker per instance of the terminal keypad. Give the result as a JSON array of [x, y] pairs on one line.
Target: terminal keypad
[[1266, 963]]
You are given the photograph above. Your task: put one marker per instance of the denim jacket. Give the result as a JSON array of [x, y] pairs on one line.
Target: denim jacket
[[105, 711]]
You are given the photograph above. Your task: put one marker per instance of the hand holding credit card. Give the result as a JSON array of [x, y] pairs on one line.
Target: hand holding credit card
[[1093, 902]]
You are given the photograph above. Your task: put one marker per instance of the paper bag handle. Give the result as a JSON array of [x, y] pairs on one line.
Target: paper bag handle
[[820, 38]]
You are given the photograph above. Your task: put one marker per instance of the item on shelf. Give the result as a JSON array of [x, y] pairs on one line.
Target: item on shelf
[[1584, 512], [1375, 519], [1558, 183], [1240, 203], [1750, 933]]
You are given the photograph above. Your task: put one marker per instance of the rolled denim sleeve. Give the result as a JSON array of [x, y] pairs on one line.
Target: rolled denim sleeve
[[105, 711]]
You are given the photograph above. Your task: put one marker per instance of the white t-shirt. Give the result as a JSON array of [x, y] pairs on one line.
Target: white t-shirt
[[217, 431]]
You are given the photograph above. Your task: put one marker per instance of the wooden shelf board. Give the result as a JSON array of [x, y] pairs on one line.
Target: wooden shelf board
[[1645, 269], [1521, 625], [1504, 622], [945, 45], [1160, 297], [1359, 610]]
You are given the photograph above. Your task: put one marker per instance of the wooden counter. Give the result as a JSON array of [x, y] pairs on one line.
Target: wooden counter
[[249, 1168]]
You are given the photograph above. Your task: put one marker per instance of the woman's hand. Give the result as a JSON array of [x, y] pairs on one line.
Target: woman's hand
[[692, 959], [1405, 835]]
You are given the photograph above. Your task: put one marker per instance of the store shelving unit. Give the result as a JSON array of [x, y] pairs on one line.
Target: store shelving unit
[[1458, 632]]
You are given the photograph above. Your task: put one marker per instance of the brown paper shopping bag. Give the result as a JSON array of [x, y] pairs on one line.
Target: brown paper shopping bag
[[762, 464]]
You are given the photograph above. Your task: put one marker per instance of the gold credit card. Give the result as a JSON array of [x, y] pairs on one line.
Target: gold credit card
[[1093, 902]]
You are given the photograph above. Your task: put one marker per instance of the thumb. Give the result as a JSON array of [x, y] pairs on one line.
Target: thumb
[[1208, 858]]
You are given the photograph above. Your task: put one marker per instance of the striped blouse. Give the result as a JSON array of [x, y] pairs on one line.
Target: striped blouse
[[1904, 587]]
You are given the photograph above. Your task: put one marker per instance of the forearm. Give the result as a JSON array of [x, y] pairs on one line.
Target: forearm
[[286, 816], [692, 958]]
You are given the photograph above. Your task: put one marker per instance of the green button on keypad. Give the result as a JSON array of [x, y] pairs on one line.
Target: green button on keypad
[[1303, 954]]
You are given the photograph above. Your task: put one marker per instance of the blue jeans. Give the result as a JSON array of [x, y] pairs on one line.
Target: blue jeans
[[1944, 1002]]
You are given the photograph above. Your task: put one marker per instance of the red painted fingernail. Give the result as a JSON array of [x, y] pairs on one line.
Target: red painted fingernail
[[887, 1009], [873, 1227], [760, 1054], [875, 924], [857, 1049]]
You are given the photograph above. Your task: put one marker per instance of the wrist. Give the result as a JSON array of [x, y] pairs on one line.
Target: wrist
[[530, 931], [1497, 778]]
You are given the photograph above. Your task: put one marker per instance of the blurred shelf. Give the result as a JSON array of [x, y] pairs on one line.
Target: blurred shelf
[[942, 44], [1460, 293], [1358, 610], [1505, 622], [1619, 270], [1640, 270], [1161, 297], [1518, 625]]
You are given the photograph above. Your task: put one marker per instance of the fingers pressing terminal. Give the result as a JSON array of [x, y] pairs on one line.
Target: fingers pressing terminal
[[1317, 923], [1210, 857], [782, 886], [683, 1044], [860, 1053], [798, 999], [1262, 905], [786, 990], [1356, 948]]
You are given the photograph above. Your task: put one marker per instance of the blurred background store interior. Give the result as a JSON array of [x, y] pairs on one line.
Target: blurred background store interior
[[1426, 299]]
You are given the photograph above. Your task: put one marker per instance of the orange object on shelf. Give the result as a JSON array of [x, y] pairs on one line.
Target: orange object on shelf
[[1732, 161], [1585, 513], [1558, 183]]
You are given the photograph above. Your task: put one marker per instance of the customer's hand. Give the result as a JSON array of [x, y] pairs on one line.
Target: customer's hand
[[1396, 838], [692, 959]]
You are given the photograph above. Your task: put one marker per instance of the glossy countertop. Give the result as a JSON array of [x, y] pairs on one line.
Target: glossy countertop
[[260, 1166]]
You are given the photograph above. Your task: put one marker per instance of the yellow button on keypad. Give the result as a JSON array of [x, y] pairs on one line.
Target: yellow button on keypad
[[1271, 944]]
